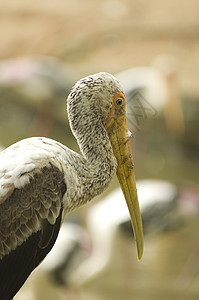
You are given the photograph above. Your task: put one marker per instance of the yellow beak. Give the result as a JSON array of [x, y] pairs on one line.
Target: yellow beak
[[116, 127]]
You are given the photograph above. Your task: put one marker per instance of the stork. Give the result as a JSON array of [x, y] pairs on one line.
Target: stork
[[42, 180]]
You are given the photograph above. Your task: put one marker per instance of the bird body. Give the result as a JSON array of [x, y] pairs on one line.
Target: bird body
[[41, 180]]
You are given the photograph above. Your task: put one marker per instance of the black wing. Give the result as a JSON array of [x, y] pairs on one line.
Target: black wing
[[30, 220]]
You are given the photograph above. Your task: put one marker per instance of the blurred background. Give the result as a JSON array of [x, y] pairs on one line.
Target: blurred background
[[153, 49]]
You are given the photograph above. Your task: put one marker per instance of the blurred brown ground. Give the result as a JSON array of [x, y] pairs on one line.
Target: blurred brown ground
[[105, 35]]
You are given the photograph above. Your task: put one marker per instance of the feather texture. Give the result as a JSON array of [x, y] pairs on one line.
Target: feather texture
[[25, 210], [19, 263]]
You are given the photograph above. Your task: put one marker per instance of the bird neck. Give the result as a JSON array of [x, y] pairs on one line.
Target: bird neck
[[98, 154], [97, 164]]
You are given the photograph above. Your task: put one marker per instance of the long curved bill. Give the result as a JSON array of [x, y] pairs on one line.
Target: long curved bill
[[116, 127]]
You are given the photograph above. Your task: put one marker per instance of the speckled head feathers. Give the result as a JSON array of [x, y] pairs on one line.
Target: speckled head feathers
[[100, 82], [91, 97]]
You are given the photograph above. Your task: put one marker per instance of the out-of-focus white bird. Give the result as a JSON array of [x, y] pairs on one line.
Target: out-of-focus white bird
[[156, 198], [40, 84], [152, 90], [36, 79]]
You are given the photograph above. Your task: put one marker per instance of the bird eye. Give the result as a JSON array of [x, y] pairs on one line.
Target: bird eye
[[119, 101]]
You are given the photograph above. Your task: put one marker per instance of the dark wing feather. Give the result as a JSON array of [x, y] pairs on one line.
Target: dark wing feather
[[29, 224]]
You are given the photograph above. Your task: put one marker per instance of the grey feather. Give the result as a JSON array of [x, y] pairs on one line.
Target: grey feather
[[25, 210]]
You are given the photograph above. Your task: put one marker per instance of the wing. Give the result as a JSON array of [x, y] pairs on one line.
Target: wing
[[30, 220]]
